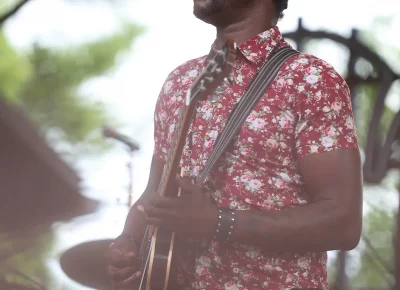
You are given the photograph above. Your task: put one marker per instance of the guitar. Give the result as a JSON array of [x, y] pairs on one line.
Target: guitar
[[157, 250]]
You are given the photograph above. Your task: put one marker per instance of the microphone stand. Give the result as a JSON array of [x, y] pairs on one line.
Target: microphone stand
[[130, 172], [132, 147]]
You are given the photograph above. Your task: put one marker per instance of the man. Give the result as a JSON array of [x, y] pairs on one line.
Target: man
[[292, 178]]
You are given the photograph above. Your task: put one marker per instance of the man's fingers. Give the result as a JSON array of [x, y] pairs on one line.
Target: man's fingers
[[126, 248], [128, 253], [127, 282], [113, 255], [162, 201], [116, 257], [171, 225], [161, 213], [125, 263], [154, 222], [121, 274], [187, 185]]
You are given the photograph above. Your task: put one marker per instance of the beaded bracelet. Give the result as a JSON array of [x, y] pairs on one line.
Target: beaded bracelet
[[225, 223]]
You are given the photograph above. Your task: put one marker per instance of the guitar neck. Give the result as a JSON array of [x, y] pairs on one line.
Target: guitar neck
[[218, 66], [178, 143], [158, 245]]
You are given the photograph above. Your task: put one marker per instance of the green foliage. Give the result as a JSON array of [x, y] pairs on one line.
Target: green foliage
[[51, 95], [45, 82], [23, 253], [376, 264], [366, 100], [14, 70], [373, 260]]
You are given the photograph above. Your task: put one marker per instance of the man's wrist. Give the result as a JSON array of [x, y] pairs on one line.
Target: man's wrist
[[226, 221]]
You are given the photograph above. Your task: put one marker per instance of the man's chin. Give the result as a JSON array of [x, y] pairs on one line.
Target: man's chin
[[202, 3], [201, 14], [201, 8], [205, 9]]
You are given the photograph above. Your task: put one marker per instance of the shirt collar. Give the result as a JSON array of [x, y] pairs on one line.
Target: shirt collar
[[258, 48]]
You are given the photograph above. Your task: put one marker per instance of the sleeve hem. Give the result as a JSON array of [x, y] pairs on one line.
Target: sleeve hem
[[322, 149]]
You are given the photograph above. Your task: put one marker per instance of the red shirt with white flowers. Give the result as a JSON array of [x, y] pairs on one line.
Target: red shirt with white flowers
[[306, 110]]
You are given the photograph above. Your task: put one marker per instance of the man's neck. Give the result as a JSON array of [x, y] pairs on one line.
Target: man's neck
[[252, 23]]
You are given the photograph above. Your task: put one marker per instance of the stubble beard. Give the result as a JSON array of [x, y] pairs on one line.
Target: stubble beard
[[204, 9]]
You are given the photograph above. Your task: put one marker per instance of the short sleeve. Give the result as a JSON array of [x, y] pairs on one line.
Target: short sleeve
[[324, 110]]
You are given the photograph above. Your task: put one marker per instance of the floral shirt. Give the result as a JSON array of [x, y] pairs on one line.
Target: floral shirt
[[306, 110]]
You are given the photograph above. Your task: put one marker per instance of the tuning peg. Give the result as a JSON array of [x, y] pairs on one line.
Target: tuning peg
[[228, 81], [220, 90], [202, 87], [213, 98]]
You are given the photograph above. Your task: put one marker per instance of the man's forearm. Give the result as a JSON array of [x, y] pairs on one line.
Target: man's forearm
[[316, 227], [135, 224]]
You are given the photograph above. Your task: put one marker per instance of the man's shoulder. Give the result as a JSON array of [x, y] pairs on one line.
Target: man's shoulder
[[190, 68], [311, 69], [179, 79]]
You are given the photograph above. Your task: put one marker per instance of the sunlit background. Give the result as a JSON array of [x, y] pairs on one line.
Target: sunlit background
[[104, 62]]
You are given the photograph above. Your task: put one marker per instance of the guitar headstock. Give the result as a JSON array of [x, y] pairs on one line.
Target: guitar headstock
[[216, 69]]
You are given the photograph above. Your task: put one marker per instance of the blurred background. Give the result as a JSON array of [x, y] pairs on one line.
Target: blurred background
[[68, 67]]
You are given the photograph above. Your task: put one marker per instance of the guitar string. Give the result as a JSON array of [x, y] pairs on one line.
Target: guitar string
[[162, 181], [145, 267]]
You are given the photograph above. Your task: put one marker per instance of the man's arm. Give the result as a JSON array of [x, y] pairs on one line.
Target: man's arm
[[326, 148], [135, 224], [332, 219]]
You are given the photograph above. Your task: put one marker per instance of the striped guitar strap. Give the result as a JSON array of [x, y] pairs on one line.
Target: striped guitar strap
[[256, 90]]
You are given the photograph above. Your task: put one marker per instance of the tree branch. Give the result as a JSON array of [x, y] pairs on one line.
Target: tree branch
[[12, 11], [377, 256], [29, 279]]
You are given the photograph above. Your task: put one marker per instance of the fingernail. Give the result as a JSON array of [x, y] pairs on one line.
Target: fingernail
[[140, 208], [138, 274]]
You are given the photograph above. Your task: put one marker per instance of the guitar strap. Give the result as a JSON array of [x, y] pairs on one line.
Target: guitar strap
[[256, 90]]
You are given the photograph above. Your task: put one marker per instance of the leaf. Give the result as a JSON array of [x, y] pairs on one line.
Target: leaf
[[14, 70], [51, 96]]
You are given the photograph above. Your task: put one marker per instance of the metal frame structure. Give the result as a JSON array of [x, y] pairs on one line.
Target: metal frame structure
[[379, 149]]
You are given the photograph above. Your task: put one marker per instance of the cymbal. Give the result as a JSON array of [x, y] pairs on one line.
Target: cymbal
[[84, 264]]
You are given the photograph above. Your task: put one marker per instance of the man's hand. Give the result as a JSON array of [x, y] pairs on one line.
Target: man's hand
[[193, 214], [121, 262]]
